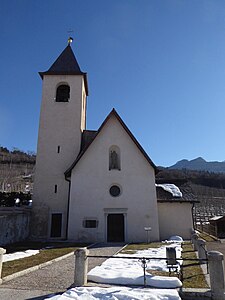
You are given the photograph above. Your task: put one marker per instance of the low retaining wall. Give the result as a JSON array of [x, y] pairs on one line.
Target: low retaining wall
[[14, 224]]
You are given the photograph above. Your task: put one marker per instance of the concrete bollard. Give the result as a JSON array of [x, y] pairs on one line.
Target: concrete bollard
[[201, 250], [194, 239], [193, 231], [81, 266], [2, 251], [216, 274]]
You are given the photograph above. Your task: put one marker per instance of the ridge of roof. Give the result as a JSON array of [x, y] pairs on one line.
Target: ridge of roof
[[66, 64], [113, 112]]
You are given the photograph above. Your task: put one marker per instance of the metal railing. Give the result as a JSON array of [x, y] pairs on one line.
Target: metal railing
[[207, 228], [145, 260]]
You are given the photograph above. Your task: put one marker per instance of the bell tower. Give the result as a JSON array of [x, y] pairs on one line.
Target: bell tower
[[62, 121]]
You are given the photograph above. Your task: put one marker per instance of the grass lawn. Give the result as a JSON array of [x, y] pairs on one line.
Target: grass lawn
[[207, 237], [48, 251], [132, 248], [193, 276]]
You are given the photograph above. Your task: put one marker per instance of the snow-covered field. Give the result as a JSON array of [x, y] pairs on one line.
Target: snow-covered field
[[18, 255], [122, 271], [117, 293]]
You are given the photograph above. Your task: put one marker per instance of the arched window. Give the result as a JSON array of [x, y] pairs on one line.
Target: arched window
[[114, 158], [62, 93]]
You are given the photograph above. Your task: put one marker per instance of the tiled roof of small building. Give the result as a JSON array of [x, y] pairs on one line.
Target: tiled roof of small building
[[217, 219], [186, 190], [87, 137]]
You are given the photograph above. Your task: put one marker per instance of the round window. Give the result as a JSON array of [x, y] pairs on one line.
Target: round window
[[114, 191]]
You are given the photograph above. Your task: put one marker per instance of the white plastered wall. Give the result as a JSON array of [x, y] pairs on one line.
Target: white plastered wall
[[61, 124], [175, 219], [91, 180]]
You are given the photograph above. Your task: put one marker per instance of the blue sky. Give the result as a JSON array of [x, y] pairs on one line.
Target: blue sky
[[159, 63]]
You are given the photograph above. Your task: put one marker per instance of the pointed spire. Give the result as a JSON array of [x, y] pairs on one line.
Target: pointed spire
[[66, 64]]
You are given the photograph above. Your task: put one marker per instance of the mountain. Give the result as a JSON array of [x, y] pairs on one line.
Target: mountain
[[200, 164]]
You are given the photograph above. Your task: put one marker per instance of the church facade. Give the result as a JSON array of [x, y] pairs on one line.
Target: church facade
[[118, 200], [92, 185]]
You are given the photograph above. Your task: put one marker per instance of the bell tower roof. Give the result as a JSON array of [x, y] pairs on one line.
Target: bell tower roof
[[66, 64]]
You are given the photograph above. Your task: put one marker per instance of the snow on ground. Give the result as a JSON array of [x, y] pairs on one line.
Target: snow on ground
[[130, 272], [176, 238], [117, 293], [18, 255], [122, 271]]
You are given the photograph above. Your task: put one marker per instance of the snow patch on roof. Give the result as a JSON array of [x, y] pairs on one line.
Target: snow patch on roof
[[216, 218], [171, 188]]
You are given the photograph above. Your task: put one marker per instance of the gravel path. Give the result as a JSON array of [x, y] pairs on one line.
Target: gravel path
[[216, 246], [54, 278], [213, 246]]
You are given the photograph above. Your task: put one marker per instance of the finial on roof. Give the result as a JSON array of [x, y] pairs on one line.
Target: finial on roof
[[70, 39]]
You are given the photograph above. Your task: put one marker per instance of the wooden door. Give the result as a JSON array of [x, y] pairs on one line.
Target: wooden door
[[115, 228]]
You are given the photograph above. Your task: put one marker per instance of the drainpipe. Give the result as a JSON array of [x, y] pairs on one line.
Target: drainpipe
[[68, 208]]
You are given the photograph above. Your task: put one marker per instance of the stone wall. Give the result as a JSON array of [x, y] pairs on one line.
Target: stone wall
[[14, 224]]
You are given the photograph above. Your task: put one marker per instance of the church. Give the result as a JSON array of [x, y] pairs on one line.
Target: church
[[96, 185]]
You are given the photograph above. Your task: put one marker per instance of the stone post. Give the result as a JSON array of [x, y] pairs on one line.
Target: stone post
[[81, 266], [2, 251], [193, 231], [216, 274], [194, 239], [201, 250]]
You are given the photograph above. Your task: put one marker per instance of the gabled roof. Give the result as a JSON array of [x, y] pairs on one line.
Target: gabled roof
[[66, 64], [96, 133]]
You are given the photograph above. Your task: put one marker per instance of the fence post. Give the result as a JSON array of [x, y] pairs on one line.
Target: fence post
[[201, 250], [2, 251], [194, 240], [216, 274], [193, 231], [81, 266]]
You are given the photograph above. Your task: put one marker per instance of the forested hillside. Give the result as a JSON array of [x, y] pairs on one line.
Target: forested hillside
[[208, 179], [209, 189]]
